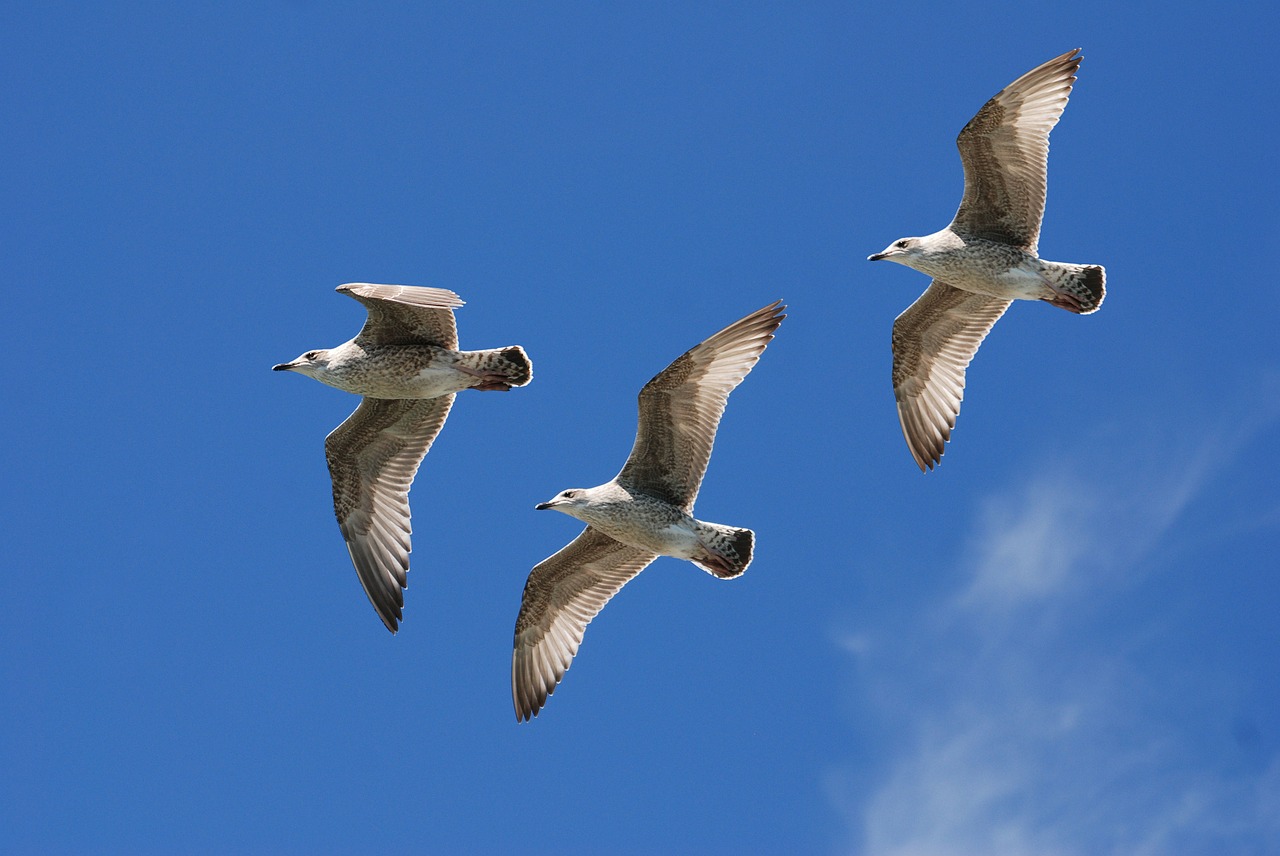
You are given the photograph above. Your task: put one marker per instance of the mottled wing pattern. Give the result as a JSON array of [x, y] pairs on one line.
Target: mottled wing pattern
[[373, 457], [680, 409], [561, 597], [1005, 151], [933, 343], [406, 314]]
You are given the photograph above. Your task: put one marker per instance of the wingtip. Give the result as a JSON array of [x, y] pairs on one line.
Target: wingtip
[[925, 461], [772, 315], [1071, 58], [390, 621], [926, 454], [526, 700]]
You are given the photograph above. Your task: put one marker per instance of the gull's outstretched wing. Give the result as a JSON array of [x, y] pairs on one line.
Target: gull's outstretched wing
[[373, 457], [933, 342], [1005, 151], [680, 409], [406, 314], [561, 597]]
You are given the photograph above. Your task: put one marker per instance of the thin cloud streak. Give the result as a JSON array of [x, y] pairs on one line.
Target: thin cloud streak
[[1020, 716]]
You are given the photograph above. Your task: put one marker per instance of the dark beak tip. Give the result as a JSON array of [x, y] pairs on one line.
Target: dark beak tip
[[875, 257], [542, 506], [280, 368]]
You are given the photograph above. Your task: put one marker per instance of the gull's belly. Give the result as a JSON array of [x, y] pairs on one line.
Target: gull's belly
[[428, 382], [436, 380], [412, 371], [992, 269], [1023, 283], [678, 540], [636, 526]]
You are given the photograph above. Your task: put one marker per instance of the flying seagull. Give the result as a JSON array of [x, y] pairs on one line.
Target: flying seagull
[[406, 364], [646, 511], [986, 258]]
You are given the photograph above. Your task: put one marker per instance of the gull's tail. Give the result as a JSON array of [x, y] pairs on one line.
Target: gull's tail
[[723, 550], [1079, 288], [499, 369]]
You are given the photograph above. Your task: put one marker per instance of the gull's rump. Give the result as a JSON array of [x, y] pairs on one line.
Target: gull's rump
[[497, 369], [726, 549], [1080, 288]]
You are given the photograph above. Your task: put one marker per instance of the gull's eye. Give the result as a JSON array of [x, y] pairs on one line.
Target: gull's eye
[[311, 355], [569, 494], [902, 243]]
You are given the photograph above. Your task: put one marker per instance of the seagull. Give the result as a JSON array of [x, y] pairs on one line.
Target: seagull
[[406, 364], [646, 511], [986, 258]]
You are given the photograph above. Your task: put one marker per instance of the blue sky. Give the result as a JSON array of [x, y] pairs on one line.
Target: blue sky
[[1063, 641]]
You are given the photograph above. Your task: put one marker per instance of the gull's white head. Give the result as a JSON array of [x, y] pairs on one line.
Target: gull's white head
[[570, 502], [903, 251], [311, 364]]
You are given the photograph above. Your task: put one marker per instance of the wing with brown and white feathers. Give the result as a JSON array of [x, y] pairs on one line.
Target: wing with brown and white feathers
[[561, 597], [373, 457], [406, 314], [1005, 151], [933, 343], [680, 409]]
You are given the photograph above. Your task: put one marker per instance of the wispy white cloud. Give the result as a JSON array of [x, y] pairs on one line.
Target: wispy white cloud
[[1030, 544], [1020, 717], [1067, 530]]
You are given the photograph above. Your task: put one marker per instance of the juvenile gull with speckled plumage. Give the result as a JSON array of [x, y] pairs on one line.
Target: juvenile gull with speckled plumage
[[644, 512], [986, 258], [406, 364]]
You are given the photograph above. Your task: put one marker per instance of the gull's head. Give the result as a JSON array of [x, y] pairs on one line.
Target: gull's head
[[310, 364], [903, 251], [567, 501]]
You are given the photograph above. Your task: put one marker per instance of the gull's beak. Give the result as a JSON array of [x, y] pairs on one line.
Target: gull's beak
[[875, 257], [283, 367], [542, 506]]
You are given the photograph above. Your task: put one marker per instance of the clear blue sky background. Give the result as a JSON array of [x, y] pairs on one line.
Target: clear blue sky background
[[1065, 640]]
